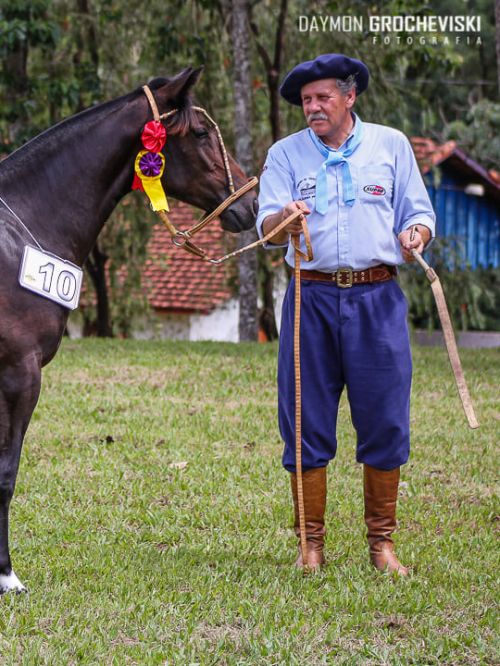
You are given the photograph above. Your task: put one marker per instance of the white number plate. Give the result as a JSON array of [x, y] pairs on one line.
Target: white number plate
[[50, 276]]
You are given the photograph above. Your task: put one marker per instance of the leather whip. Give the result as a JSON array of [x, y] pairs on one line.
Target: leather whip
[[449, 339]]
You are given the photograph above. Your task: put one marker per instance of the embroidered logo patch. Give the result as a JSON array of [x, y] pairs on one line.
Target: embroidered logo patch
[[307, 188], [376, 190]]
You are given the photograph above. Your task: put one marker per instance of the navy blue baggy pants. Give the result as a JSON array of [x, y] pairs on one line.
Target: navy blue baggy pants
[[358, 338]]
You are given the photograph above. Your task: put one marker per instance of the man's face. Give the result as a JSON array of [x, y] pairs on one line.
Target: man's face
[[326, 109]]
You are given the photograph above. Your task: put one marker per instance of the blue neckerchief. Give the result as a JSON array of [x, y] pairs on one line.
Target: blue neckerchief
[[333, 157]]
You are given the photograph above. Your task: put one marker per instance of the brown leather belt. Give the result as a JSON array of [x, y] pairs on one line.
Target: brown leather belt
[[346, 277]]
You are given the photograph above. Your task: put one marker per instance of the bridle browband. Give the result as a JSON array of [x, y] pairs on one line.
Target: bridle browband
[[183, 238]]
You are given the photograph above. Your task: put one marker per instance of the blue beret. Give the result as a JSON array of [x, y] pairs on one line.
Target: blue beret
[[326, 66]]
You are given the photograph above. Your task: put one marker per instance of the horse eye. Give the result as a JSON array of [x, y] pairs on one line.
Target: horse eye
[[200, 132]]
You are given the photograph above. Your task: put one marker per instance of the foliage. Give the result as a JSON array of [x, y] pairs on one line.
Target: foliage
[[58, 57], [76, 54], [404, 79], [473, 297], [125, 239], [479, 133], [24, 26], [132, 556]]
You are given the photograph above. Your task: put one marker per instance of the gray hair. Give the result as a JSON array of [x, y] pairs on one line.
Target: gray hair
[[346, 85]]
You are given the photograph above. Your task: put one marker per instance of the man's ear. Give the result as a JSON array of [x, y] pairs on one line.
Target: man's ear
[[350, 98]]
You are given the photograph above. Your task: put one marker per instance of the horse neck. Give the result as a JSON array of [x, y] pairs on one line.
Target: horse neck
[[65, 183]]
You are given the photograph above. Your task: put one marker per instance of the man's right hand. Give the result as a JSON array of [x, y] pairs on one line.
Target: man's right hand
[[294, 227]]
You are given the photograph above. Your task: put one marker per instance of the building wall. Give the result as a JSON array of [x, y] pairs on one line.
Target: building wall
[[163, 326], [473, 221], [220, 325]]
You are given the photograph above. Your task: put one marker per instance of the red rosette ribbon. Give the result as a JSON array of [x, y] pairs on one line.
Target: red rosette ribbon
[[153, 136]]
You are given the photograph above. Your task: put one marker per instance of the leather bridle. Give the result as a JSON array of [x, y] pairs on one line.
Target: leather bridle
[[183, 238]]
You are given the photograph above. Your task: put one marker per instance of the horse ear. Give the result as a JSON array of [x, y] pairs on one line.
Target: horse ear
[[180, 86]]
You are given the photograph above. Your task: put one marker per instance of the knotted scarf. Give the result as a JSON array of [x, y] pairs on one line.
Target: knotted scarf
[[333, 157]]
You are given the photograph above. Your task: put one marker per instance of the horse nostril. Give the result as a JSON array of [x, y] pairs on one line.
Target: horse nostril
[[256, 206]]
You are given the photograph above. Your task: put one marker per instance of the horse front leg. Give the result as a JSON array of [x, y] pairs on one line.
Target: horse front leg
[[19, 391]]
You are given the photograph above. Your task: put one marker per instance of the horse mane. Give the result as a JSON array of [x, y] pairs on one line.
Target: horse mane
[[180, 122]]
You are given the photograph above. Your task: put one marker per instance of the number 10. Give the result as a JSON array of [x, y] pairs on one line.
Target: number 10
[[65, 284]]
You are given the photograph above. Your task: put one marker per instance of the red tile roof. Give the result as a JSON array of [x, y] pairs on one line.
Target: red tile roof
[[495, 176], [178, 281], [430, 154]]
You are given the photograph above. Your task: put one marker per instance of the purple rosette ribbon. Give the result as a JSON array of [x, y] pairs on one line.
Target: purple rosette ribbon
[[151, 164]]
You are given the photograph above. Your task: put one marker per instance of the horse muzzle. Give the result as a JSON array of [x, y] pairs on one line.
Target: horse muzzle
[[241, 214]]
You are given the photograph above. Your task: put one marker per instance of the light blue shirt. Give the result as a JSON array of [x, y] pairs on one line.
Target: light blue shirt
[[390, 196]]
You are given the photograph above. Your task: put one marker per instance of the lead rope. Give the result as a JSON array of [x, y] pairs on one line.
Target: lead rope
[[183, 239], [306, 256], [298, 406]]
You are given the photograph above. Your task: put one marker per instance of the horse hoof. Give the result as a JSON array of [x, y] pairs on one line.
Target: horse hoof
[[11, 583]]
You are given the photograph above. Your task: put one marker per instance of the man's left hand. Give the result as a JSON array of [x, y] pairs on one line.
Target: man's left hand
[[413, 238]]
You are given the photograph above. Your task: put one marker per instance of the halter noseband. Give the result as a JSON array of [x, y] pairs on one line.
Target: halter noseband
[[183, 238]]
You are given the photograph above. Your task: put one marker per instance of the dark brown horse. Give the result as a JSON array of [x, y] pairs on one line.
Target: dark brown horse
[[58, 190]]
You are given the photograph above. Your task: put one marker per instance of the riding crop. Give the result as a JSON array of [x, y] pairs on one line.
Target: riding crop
[[449, 339]]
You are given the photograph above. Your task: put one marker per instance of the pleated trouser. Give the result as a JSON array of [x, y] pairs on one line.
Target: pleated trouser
[[355, 338]]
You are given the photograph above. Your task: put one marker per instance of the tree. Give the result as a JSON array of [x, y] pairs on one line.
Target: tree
[[242, 86], [86, 64], [273, 66], [59, 56], [479, 133], [273, 71], [497, 40], [25, 27]]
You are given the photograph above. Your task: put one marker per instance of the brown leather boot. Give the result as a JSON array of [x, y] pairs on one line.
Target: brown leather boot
[[314, 488], [381, 494]]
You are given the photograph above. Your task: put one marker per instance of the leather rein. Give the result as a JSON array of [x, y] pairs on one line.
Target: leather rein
[[184, 238]]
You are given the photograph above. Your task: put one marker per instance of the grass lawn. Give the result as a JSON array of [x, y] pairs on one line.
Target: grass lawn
[[152, 520]]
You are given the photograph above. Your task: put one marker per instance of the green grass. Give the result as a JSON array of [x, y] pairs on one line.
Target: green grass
[[131, 558]]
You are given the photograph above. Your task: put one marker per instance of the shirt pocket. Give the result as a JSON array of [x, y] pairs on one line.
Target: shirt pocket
[[375, 185]]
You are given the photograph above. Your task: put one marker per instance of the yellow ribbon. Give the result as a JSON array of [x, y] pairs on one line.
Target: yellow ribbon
[[152, 184]]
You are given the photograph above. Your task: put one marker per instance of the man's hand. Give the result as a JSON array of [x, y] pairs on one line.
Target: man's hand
[[416, 238], [292, 228]]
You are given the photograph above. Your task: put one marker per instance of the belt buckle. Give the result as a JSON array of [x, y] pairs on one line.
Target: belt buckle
[[344, 274]]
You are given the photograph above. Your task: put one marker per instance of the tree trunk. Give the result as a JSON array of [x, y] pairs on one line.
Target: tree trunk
[[242, 85], [497, 23], [267, 319], [272, 65], [273, 68], [87, 49], [15, 75], [96, 267]]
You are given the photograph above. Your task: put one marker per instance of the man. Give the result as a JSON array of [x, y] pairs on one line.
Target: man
[[366, 207]]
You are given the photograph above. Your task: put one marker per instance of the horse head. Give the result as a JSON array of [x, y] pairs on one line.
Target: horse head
[[198, 169]]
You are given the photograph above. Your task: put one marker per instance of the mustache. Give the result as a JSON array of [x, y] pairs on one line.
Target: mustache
[[317, 115]]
